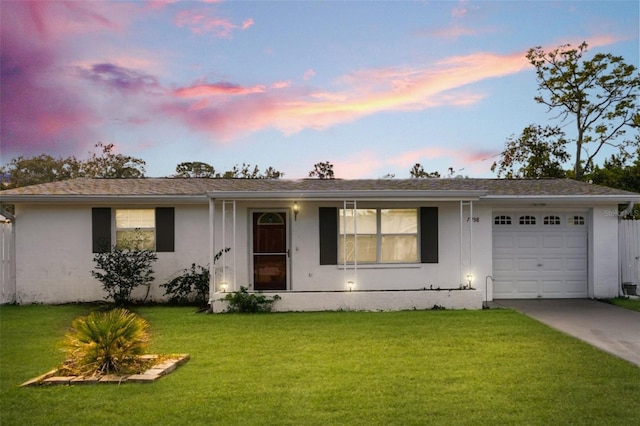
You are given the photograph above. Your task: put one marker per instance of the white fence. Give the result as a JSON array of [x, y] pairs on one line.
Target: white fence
[[629, 239], [7, 262]]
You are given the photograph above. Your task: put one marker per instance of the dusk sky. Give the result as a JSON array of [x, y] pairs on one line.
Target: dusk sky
[[372, 87]]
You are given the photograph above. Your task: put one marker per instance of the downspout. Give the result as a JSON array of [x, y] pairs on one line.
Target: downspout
[[622, 214]]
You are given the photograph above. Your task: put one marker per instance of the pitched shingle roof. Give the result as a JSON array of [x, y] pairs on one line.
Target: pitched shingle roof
[[203, 187]]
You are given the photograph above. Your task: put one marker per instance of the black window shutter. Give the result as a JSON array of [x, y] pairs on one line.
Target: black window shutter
[[429, 235], [328, 218], [165, 229], [101, 229]]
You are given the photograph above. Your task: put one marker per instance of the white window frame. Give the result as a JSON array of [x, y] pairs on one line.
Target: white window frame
[[379, 238], [117, 229]]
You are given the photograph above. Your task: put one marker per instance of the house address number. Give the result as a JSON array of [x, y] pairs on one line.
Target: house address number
[[474, 219]]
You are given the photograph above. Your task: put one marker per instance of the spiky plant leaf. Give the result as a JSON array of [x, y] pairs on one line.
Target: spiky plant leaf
[[106, 342]]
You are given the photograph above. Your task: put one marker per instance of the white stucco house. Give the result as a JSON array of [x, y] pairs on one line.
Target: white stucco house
[[329, 244]]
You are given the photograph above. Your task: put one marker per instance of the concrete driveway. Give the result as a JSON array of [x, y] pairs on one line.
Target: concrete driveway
[[611, 328]]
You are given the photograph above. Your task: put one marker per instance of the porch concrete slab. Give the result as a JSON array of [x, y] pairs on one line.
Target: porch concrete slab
[[610, 328]]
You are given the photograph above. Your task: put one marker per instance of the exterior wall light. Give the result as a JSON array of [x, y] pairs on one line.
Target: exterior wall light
[[224, 286], [351, 285], [469, 279], [296, 210]]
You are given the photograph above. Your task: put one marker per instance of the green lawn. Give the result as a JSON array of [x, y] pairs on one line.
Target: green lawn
[[626, 302], [347, 368]]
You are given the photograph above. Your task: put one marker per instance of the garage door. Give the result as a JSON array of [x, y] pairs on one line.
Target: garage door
[[539, 255]]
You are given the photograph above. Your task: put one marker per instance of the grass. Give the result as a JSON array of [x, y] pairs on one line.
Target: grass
[[625, 302], [356, 368]]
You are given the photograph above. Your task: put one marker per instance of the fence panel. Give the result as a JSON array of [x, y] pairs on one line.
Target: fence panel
[[629, 237], [7, 262]]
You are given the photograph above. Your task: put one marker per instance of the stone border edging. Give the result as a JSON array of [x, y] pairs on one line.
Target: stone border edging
[[166, 366]]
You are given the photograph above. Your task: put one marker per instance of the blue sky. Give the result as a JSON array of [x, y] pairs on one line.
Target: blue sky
[[372, 87]]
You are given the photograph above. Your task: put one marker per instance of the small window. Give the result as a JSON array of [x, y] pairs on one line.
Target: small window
[[527, 220], [135, 228], [270, 219], [502, 220], [551, 220], [576, 220]]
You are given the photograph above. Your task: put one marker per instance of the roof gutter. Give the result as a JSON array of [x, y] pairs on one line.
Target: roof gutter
[[563, 198], [122, 199], [367, 195]]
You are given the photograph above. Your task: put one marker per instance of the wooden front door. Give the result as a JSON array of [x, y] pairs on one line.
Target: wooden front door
[[270, 251]]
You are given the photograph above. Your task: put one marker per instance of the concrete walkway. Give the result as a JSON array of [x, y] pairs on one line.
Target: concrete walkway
[[610, 328]]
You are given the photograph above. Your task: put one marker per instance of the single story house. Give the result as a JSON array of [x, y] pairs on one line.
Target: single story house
[[325, 244]]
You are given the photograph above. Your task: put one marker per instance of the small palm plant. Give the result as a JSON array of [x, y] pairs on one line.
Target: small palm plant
[[106, 343]]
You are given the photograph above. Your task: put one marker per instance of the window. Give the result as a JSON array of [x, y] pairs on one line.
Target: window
[[551, 220], [502, 220], [527, 220], [576, 220], [378, 235], [152, 229], [135, 228]]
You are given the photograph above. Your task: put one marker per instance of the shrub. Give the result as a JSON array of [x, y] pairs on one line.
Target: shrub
[[124, 269], [243, 301], [106, 342], [192, 285]]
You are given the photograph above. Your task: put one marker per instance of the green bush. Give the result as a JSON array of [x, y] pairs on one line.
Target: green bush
[[123, 270], [243, 301], [106, 342], [192, 286]]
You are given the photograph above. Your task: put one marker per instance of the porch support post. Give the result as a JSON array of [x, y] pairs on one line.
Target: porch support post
[[212, 249]]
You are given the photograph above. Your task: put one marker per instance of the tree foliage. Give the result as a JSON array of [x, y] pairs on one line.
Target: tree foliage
[[417, 171], [23, 171], [598, 96], [198, 169], [538, 152], [616, 173], [322, 170]]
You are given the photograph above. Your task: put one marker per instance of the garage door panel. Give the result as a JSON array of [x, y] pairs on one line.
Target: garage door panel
[[503, 265], [527, 264], [577, 241], [552, 241], [504, 241], [551, 264], [541, 260], [527, 242]]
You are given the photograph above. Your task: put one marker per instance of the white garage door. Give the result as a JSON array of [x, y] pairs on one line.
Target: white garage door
[[539, 255]]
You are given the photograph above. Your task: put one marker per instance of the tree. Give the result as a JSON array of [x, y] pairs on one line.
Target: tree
[[43, 168], [597, 95], [246, 171], [615, 173], [194, 169], [417, 171], [537, 153], [111, 165], [322, 170]]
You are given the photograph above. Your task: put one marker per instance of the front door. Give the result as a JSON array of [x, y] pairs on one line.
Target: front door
[[270, 251]]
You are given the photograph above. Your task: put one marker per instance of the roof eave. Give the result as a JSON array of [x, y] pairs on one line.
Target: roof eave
[[137, 199], [564, 199], [366, 195]]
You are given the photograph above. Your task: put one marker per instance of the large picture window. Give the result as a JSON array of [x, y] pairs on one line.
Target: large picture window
[[378, 236]]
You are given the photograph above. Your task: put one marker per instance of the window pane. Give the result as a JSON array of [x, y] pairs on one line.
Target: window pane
[[399, 248], [367, 248], [135, 218], [136, 239], [365, 221], [399, 221]]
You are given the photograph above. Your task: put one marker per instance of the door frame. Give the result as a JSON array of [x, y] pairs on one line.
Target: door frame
[[287, 218]]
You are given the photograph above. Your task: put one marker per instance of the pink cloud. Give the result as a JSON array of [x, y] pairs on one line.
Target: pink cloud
[[309, 74], [280, 84], [222, 88], [203, 22], [247, 23]]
